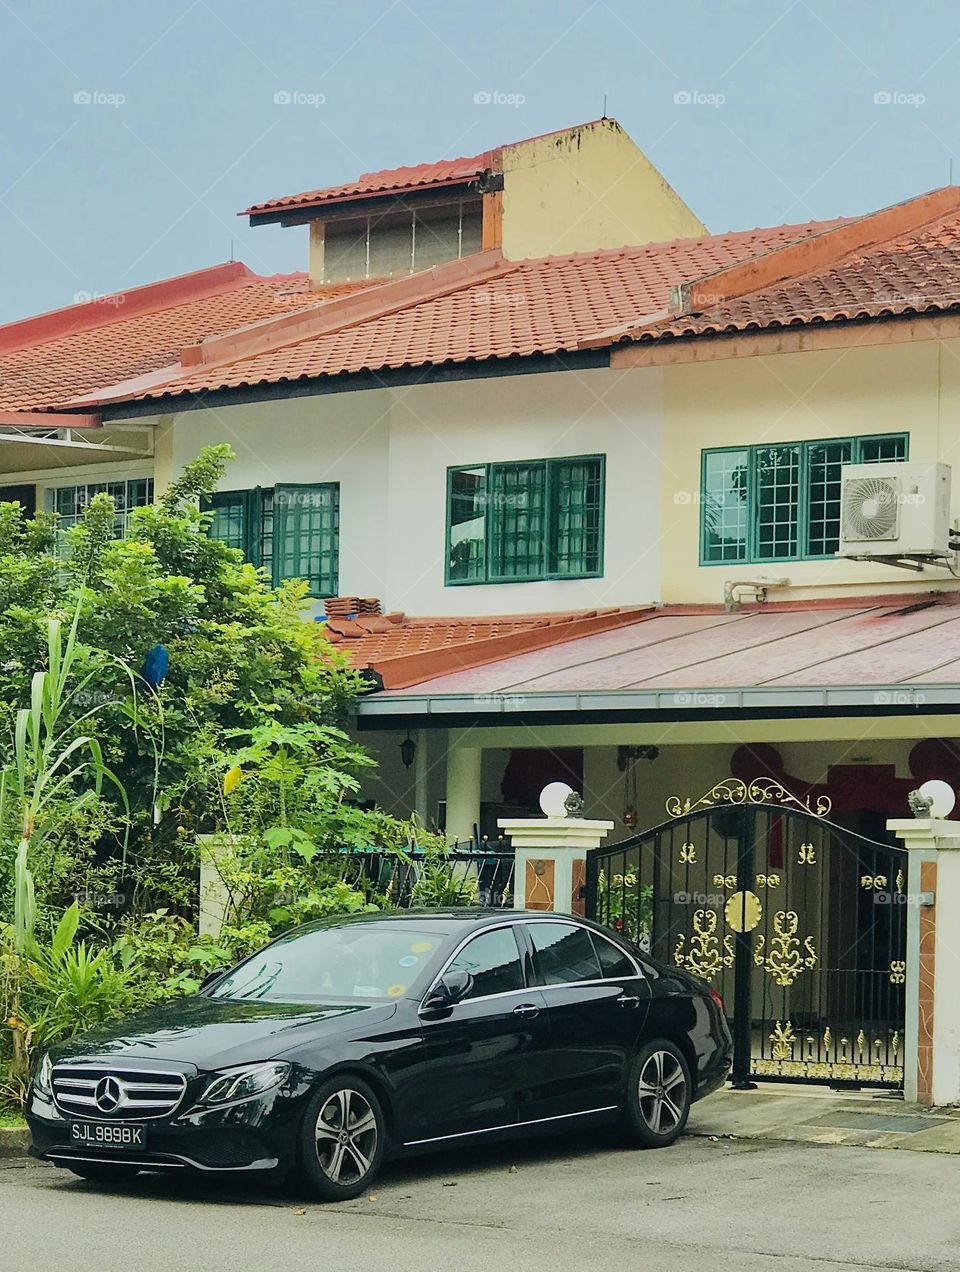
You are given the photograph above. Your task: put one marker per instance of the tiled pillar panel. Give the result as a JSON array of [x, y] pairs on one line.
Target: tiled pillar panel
[[932, 1031], [551, 854]]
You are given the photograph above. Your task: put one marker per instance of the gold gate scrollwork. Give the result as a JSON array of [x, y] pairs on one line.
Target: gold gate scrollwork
[[762, 790], [784, 1040], [705, 955], [876, 882], [785, 959]]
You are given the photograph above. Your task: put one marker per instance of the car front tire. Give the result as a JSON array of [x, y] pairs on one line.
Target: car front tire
[[342, 1139], [658, 1095]]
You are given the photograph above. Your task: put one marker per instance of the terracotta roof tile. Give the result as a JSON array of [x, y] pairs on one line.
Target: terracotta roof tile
[[419, 647], [542, 306], [385, 181], [52, 357], [913, 273]]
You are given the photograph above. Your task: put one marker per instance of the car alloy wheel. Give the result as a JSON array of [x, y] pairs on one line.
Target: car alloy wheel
[[347, 1136], [342, 1138], [657, 1098], [662, 1092]]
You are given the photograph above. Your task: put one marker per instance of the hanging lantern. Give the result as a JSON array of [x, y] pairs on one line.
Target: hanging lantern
[[627, 757], [408, 750]]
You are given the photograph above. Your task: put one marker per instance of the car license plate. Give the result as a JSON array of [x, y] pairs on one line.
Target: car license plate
[[108, 1135]]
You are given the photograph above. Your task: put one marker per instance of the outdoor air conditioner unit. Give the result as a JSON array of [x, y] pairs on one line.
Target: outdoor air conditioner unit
[[895, 510]]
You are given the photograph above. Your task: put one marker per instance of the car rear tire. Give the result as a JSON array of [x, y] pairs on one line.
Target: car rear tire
[[342, 1139], [104, 1172], [658, 1095]]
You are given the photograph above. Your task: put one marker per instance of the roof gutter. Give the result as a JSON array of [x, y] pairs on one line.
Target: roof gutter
[[387, 710]]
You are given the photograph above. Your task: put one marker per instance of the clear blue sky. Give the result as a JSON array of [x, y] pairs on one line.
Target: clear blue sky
[[101, 195]]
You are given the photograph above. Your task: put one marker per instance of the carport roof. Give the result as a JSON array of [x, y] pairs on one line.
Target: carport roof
[[882, 654]]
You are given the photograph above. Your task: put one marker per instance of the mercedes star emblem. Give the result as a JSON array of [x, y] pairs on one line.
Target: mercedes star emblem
[[108, 1095]]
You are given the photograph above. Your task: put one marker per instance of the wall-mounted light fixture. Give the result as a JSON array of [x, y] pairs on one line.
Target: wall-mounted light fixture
[[408, 750]]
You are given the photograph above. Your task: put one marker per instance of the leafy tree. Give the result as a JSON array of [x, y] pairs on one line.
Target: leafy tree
[[240, 659]]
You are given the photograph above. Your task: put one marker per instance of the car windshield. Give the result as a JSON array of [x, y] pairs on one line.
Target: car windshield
[[353, 961]]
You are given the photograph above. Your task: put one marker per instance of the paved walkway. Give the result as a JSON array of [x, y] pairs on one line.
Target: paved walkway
[[817, 1115]]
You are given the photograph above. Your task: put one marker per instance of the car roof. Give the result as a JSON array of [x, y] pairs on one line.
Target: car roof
[[450, 920]]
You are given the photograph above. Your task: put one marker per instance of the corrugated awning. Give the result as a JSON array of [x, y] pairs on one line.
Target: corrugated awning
[[885, 656]]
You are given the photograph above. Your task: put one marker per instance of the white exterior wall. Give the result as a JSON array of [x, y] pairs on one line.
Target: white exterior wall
[[390, 451], [340, 437], [525, 417]]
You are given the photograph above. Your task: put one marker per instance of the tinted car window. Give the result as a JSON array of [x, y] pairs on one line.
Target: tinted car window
[[493, 961], [564, 953], [613, 961], [354, 961]]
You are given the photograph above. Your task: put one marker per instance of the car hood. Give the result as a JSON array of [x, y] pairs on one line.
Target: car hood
[[210, 1033]]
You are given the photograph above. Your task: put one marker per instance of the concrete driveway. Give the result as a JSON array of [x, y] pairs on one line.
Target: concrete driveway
[[704, 1205]]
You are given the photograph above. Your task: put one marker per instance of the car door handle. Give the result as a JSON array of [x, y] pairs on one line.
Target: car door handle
[[527, 1010], [628, 1000]]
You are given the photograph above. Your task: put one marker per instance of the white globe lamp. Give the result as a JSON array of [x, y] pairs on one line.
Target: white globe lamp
[[553, 799], [941, 794]]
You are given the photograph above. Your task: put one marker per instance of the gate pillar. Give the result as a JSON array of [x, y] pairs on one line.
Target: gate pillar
[[551, 859], [931, 1074]]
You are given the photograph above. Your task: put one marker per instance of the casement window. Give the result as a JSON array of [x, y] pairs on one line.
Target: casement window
[[781, 502], [70, 502], [520, 522], [293, 532], [399, 240]]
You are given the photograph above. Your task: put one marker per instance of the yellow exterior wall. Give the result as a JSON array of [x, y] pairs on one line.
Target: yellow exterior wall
[[315, 267], [911, 387], [163, 470], [588, 188]]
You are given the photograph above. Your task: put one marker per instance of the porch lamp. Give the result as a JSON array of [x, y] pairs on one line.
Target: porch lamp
[[408, 750]]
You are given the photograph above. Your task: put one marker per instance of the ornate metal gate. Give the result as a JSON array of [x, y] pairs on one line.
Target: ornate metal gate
[[799, 923]]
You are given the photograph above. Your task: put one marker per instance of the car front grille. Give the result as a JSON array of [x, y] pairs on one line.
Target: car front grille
[[86, 1090]]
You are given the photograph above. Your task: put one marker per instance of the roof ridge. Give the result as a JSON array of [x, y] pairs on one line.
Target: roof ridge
[[814, 253], [347, 311], [326, 318], [103, 311]]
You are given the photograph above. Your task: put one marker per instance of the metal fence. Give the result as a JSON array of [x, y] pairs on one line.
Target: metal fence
[[416, 880]]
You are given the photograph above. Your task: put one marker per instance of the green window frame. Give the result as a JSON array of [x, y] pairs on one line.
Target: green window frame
[[525, 521], [290, 531], [781, 502]]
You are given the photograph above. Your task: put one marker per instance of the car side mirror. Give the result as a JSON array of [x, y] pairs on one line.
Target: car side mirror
[[448, 991]]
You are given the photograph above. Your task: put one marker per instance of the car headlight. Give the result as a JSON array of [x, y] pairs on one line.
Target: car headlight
[[43, 1082], [243, 1081]]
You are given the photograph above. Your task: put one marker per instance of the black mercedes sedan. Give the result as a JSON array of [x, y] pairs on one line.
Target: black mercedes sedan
[[351, 1039]]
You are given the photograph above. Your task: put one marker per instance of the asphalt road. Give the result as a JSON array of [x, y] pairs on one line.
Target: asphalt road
[[702, 1206]]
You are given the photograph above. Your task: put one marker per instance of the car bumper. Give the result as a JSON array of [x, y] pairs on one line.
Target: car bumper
[[255, 1135]]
